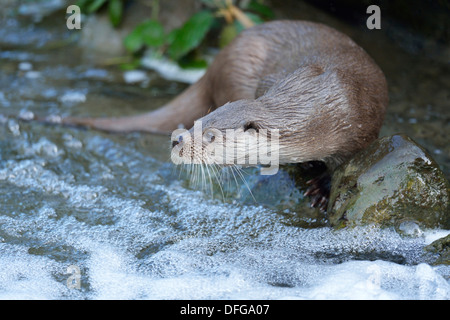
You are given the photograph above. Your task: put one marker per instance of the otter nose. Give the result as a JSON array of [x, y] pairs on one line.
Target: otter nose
[[177, 142]]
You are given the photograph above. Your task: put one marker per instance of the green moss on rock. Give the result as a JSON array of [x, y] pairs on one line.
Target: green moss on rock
[[441, 250], [392, 181]]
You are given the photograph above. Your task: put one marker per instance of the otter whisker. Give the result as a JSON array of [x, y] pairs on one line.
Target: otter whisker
[[197, 176], [214, 168], [185, 169], [246, 184], [241, 175], [203, 177], [192, 174], [211, 185], [234, 176], [226, 171]]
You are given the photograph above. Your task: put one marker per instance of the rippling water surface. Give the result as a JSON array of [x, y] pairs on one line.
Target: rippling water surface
[[114, 209]]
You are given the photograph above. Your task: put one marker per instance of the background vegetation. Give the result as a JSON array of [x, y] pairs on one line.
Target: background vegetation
[[222, 19]]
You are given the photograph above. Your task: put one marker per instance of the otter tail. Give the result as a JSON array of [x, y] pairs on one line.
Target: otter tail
[[183, 110]]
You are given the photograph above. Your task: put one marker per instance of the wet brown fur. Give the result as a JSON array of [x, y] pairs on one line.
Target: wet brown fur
[[314, 84]]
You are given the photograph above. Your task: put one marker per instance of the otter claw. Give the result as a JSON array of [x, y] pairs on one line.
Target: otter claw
[[319, 191]]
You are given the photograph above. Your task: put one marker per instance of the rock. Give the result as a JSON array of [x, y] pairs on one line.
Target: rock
[[440, 249], [100, 40], [391, 182]]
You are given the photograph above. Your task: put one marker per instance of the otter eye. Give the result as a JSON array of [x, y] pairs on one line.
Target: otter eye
[[250, 125], [210, 137]]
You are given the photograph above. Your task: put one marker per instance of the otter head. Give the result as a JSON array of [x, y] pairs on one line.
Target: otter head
[[238, 133], [308, 115]]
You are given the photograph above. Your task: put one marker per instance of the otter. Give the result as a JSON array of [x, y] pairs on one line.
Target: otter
[[322, 92]]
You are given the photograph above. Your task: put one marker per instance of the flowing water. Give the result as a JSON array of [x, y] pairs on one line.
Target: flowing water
[[115, 211]]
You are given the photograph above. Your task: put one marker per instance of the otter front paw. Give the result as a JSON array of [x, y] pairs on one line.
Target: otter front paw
[[319, 191]]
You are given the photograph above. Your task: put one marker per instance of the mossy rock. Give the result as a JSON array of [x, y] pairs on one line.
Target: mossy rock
[[441, 250], [392, 181]]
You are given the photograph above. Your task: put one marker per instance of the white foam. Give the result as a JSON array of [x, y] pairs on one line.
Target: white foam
[[433, 235], [159, 240], [73, 97], [25, 66], [113, 275], [134, 76], [26, 276], [170, 70], [33, 74], [3, 101]]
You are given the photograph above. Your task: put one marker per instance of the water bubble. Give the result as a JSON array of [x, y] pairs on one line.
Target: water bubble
[[134, 76], [26, 115], [73, 97], [25, 66], [14, 127], [32, 74], [46, 148]]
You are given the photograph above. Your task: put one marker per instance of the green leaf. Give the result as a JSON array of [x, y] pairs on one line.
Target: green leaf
[[153, 33], [115, 9], [95, 5], [131, 65], [192, 61], [228, 33], [194, 64], [150, 33], [261, 9], [133, 42], [190, 35], [171, 36], [82, 4]]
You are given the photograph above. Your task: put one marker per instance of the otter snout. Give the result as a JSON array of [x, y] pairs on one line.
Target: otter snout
[[246, 146], [177, 142]]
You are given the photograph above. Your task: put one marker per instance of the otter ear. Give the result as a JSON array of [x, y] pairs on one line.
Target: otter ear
[[250, 125]]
